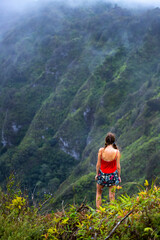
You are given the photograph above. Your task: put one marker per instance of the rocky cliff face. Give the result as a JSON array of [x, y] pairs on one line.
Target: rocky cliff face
[[68, 76]]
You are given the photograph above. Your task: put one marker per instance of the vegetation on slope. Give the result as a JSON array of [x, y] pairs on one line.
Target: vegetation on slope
[[67, 77]]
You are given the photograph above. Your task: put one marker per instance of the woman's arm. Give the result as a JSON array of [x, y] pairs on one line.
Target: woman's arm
[[98, 162], [118, 165]]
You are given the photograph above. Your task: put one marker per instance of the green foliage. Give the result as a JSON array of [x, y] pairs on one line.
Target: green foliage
[[18, 220], [143, 222]]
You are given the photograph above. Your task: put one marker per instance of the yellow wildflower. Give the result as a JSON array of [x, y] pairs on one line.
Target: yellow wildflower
[[146, 184]]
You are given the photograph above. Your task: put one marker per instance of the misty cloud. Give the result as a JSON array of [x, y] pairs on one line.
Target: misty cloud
[[138, 3], [18, 5], [125, 3]]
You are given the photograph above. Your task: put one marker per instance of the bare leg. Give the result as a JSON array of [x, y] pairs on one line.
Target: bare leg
[[111, 193], [99, 195]]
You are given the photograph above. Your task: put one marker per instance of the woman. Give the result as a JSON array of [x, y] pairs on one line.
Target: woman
[[108, 169]]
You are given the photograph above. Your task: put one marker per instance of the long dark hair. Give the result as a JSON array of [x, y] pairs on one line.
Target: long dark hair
[[110, 139]]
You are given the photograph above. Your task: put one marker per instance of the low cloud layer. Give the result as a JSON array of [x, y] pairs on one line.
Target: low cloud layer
[[138, 3], [15, 5], [18, 5]]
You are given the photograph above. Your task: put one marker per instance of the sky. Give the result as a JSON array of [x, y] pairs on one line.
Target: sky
[[19, 5]]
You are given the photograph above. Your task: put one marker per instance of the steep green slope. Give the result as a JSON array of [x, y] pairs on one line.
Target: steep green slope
[[129, 105], [68, 76]]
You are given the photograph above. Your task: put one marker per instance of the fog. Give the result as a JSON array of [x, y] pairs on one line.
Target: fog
[[20, 5], [138, 3], [17, 5], [124, 3]]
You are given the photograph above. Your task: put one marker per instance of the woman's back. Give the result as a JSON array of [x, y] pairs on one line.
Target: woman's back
[[109, 153]]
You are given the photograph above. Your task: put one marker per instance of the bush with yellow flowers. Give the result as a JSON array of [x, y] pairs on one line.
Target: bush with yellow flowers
[[18, 220]]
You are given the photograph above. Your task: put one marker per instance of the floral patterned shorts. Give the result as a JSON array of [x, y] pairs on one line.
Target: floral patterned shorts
[[108, 179]]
